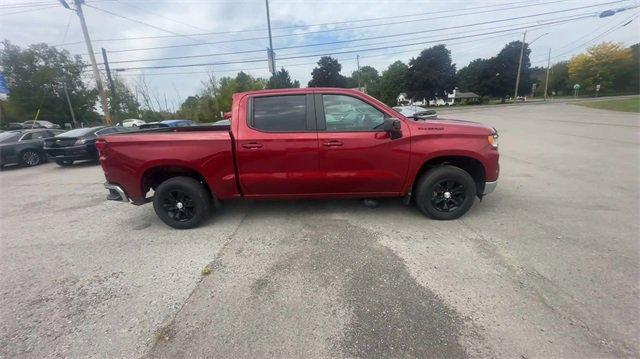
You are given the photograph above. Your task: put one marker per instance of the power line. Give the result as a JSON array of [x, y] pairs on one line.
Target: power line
[[402, 34], [606, 32], [528, 4], [334, 53], [29, 10], [537, 24], [352, 28], [310, 63]]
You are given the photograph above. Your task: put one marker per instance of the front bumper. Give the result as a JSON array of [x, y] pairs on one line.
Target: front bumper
[[489, 187]]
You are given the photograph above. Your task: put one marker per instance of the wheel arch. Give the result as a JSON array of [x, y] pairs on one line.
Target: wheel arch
[[471, 165], [152, 177]]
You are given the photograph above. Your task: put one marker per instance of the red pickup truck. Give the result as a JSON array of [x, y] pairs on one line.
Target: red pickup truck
[[303, 143]]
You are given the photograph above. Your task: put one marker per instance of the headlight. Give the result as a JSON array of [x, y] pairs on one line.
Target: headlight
[[81, 141], [493, 140]]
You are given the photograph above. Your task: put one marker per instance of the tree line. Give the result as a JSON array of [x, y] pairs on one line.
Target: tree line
[[40, 77]]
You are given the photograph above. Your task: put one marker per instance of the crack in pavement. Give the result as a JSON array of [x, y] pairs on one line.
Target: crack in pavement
[[310, 286]]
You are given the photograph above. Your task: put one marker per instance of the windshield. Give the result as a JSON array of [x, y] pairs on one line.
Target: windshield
[[6, 137], [78, 132]]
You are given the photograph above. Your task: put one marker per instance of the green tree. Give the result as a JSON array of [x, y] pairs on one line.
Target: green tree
[[37, 76], [608, 64], [431, 74], [392, 82], [216, 97], [559, 79], [501, 76], [327, 74], [474, 76], [122, 101], [369, 79], [282, 80]]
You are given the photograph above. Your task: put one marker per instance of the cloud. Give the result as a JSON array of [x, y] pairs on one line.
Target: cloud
[[196, 16]]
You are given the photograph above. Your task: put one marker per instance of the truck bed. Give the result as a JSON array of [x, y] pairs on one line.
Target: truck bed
[[134, 157]]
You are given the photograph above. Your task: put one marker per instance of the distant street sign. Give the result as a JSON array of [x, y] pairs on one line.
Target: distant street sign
[[4, 90]]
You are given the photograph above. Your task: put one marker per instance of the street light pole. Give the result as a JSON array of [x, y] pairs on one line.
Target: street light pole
[[546, 81], [515, 92], [92, 57], [358, 64], [272, 62]]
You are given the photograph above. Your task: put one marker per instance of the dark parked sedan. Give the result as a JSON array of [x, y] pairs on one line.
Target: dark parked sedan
[[78, 144], [24, 147]]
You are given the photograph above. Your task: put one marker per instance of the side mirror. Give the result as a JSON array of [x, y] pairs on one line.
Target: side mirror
[[393, 126]]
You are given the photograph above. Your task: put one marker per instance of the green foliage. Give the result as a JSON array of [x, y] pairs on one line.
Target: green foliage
[[36, 77], [216, 97], [123, 103], [369, 78], [608, 64], [559, 79], [474, 77], [392, 82], [282, 80], [327, 74], [624, 105], [431, 74]]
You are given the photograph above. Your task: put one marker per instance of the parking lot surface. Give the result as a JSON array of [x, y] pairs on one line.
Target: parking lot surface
[[546, 266]]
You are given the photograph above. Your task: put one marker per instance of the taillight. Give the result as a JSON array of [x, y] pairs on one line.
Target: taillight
[[101, 145]]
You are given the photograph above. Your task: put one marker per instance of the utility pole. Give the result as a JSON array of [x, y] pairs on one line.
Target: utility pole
[[73, 115], [358, 64], [515, 93], [546, 82], [92, 57], [112, 87], [271, 55]]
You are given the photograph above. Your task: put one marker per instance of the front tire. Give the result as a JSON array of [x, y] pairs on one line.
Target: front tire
[[30, 158], [445, 192], [182, 202]]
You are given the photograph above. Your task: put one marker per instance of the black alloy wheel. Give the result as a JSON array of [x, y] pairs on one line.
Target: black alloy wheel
[[30, 158], [445, 192], [182, 202], [448, 195], [179, 206]]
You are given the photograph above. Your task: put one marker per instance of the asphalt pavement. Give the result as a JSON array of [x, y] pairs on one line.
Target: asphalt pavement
[[546, 266]]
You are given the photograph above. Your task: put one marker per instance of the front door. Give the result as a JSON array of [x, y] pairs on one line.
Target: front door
[[355, 155], [278, 147]]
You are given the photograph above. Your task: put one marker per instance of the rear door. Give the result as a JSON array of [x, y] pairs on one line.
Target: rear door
[[355, 155], [277, 147]]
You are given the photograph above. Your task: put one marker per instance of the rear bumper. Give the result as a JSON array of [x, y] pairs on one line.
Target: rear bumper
[[82, 152], [489, 187], [116, 193]]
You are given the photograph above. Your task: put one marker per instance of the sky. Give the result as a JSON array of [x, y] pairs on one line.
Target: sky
[[380, 32]]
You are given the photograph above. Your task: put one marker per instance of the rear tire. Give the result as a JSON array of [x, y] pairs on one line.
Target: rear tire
[[30, 158], [445, 192], [182, 202]]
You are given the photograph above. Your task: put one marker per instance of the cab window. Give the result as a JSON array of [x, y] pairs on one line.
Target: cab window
[[346, 113], [280, 113]]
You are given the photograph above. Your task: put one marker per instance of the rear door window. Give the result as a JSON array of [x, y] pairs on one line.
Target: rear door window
[[280, 113]]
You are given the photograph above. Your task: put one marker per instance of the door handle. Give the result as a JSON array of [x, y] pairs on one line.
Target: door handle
[[333, 143], [252, 145]]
